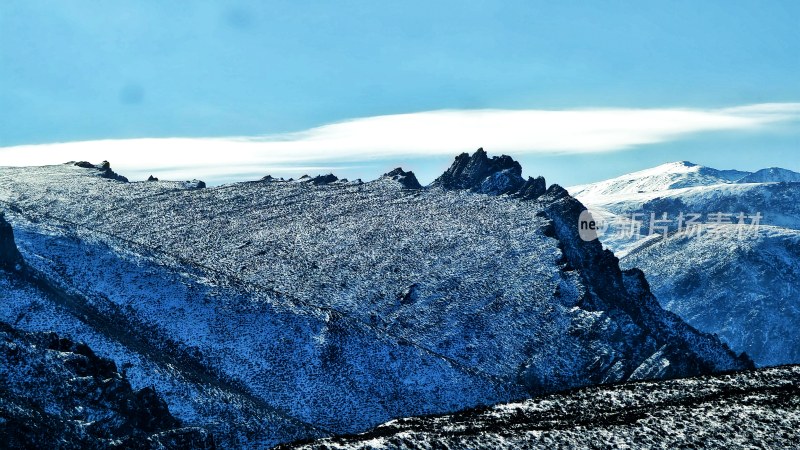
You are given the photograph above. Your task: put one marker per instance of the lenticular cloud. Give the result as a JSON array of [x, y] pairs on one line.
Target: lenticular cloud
[[431, 133]]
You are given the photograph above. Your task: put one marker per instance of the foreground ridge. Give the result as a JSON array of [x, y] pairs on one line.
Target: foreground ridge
[[733, 410]]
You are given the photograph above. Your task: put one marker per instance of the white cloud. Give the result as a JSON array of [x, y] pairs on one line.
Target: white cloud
[[446, 132]]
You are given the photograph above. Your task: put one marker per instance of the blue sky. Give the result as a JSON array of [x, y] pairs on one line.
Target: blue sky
[[80, 71]]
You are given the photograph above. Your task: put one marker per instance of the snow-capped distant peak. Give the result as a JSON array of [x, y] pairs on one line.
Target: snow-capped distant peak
[[673, 175], [772, 175], [677, 175]]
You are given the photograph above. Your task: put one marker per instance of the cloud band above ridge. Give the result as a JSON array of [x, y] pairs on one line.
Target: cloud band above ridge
[[432, 133]]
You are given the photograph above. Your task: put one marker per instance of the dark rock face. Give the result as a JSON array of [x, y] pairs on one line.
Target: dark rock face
[[496, 176], [10, 258], [104, 168], [53, 390], [477, 173], [324, 179], [406, 178], [152, 178], [409, 295], [532, 189]]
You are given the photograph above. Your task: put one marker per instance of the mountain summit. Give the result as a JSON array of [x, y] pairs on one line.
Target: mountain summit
[[677, 175], [496, 176]]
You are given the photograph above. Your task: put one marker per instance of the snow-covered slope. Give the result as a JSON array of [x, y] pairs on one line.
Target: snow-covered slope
[[759, 409], [275, 310], [735, 275], [747, 290]]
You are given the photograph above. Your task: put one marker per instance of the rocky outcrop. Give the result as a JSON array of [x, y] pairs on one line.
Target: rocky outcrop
[[56, 391], [195, 184], [494, 176], [680, 348], [407, 179], [477, 173], [532, 189], [104, 170], [323, 179], [10, 258]]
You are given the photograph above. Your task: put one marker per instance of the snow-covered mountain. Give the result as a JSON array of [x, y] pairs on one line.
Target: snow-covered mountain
[[274, 310], [771, 175], [760, 408], [735, 271], [674, 175]]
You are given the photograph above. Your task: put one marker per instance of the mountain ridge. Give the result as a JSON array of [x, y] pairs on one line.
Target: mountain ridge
[[727, 410], [676, 175], [413, 298]]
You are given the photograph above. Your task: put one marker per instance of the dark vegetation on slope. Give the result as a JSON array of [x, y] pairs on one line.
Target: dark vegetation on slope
[[55, 392]]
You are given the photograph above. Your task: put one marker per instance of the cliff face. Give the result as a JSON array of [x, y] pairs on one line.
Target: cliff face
[[676, 349], [681, 350], [10, 258]]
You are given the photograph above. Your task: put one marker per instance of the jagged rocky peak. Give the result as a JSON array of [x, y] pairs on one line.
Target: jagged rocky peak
[[324, 179], [532, 188], [407, 179], [479, 173], [104, 168], [10, 258], [495, 176]]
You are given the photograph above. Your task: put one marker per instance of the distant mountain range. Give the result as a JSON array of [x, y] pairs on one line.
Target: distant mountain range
[[736, 273], [277, 310], [678, 175]]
